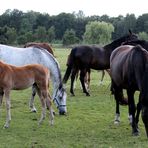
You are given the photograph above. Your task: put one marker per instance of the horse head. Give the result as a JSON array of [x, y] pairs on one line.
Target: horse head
[[60, 100]]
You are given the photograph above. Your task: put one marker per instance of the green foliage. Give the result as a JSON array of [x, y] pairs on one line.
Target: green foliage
[[98, 32], [32, 21], [41, 34], [11, 35], [69, 37], [51, 34], [143, 35]]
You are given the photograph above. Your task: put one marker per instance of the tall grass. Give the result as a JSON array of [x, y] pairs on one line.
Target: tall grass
[[89, 122]]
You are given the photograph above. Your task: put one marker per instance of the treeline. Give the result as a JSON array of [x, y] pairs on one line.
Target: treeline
[[17, 27]]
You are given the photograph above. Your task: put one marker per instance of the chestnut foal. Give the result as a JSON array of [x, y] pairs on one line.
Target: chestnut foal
[[19, 78]]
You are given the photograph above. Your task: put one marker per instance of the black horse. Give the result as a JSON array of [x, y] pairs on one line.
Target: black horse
[[129, 70], [84, 58]]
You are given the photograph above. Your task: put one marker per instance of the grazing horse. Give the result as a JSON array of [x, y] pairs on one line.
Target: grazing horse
[[40, 45], [129, 70], [33, 55], [19, 78], [84, 58]]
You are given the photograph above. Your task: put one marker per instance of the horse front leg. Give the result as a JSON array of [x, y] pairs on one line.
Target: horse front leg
[[8, 105], [132, 111], [51, 111], [103, 74], [82, 76], [31, 103], [74, 72]]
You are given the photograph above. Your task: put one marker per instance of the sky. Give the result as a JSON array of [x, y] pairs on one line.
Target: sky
[[112, 8]]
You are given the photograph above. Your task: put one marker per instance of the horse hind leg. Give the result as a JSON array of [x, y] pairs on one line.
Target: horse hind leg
[[31, 103], [82, 76], [103, 74], [8, 105], [132, 111]]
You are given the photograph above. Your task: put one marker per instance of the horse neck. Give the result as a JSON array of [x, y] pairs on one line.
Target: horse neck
[[110, 47], [55, 72]]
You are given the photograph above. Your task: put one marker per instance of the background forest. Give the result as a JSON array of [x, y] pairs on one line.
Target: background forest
[[17, 27]]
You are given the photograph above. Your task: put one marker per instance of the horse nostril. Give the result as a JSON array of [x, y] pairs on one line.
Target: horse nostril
[[62, 112]]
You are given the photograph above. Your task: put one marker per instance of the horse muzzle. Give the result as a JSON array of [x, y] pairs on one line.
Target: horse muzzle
[[62, 111]]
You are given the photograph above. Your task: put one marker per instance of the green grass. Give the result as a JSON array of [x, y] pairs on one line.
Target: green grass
[[89, 122]]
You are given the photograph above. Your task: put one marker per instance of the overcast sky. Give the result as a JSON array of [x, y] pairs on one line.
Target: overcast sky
[[89, 7]]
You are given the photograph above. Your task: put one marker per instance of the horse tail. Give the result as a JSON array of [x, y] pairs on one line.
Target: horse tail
[[145, 87], [70, 65], [139, 66]]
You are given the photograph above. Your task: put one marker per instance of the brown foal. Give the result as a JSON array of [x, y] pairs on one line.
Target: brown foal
[[19, 78]]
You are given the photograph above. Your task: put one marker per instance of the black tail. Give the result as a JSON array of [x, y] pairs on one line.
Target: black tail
[[70, 65], [67, 74]]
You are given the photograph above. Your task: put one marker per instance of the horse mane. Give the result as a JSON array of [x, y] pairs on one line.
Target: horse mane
[[130, 37], [40, 45], [143, 43]]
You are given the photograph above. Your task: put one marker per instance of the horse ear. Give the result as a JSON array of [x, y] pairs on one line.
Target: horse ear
[[130, 31]]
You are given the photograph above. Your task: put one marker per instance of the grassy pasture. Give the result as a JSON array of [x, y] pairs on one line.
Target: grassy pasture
[[89, 122]]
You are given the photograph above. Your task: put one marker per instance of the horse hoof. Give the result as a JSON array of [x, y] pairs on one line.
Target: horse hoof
[[116, 122], [72, 95], [6, 126], [87, 94], [33, 111], [135, 133]]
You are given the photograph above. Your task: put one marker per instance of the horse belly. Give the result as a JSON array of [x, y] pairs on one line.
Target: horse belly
[[23, 84]]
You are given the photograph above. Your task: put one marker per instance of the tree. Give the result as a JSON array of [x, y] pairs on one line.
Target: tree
[[69, 37], [98, 32], [51, 33], [40, 33], [143, 35], [11, 35]]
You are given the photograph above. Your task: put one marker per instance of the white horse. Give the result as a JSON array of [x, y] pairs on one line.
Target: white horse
[[33, 55]]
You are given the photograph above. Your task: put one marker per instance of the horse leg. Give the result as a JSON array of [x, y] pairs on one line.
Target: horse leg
[[1, 99], [139, 107], [8, 105], [74, 72], [82, 75], [117, 94], [87, 80], [43, 104], [132, 111], [31, 103], [51, 111], [117, 115], [103, 74]]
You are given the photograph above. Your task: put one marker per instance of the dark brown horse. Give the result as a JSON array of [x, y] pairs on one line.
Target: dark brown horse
[[144, 44], [40, 45], [84, 58], [129, 70], [86, 78]]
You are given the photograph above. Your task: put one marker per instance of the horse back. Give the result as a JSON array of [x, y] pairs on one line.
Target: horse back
[[128, 66], [83, 56]]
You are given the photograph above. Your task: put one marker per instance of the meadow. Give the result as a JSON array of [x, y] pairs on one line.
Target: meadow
[[89, 122]]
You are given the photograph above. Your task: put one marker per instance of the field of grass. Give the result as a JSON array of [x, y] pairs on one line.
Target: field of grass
[[89, 121]]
